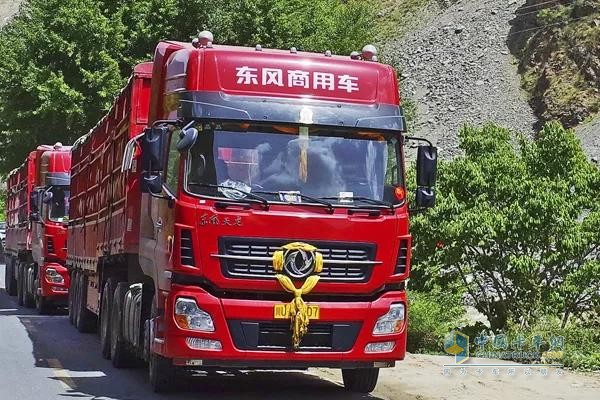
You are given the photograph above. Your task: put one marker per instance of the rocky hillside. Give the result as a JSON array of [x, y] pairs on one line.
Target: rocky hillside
[[467, 62], [7, 9], [457, 68]]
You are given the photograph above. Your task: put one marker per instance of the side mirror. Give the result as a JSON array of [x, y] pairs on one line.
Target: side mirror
[[154, 146], [152, 184], [34, 201], [426, 166], [47, 197], [187, 138], [425, 197]]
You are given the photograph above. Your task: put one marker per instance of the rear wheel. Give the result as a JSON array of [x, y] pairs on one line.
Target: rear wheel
[[120, 353], [161, 371], [105, 317], [362, 380], [85, 319]]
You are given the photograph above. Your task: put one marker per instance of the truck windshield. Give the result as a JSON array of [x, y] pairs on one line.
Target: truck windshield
[[286, 161], [58, 209]]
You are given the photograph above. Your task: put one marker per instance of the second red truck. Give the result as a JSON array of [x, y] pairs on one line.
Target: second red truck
[[36, 235]]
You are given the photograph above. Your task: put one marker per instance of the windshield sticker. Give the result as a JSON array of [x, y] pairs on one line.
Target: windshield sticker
[[290, 196], [346, 197], [296, 78]]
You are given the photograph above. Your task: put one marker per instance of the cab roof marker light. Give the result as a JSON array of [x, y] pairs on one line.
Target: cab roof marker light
[[293, 50], [328, 53], [355, 55], [368, 52], [258, 47]]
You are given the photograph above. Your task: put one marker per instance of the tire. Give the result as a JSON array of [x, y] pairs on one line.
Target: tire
[[9, 276], [120, 353], [28, 287], [86, 320], [362, 380], [20, 295], [72, 291], [42, 305], [105, 317], [161, 372]]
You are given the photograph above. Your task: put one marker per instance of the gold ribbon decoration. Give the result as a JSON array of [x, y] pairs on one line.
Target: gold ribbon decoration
[[299, 318]]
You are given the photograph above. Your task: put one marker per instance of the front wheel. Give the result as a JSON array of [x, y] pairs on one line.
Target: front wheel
[[161, 371], [29, 287], [42, 305], [362, 380]]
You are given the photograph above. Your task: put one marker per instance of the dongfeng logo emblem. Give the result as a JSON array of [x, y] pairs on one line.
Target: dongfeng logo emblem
[[299, 263]]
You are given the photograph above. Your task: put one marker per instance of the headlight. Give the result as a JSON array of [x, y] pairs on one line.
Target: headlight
[[54, 277], [189, 316], [391, 322]]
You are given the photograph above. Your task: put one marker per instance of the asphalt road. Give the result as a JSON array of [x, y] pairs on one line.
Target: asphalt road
[[45, 358]]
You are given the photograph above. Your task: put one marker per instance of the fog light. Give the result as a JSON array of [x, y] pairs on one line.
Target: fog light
[[390, 322], [380, 347], [203, 344], [189, 316], [54, 277]]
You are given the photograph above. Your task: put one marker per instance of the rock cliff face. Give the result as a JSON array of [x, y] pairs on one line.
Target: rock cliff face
[[470, 63], [457, 69]]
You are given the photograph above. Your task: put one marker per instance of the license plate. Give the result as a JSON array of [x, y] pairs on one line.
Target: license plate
[[282, 311]]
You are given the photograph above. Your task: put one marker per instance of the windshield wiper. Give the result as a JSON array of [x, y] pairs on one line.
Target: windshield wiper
[[367, 200], [321, 201], [251, 197]]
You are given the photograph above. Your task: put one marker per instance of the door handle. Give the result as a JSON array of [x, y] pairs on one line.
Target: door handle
[[158, 224]]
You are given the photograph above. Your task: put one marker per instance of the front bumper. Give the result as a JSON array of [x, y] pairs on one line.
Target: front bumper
[[250, 336], [58, 292]]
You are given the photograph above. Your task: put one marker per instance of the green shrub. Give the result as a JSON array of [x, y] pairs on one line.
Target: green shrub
[[581, 342], [430, 317]]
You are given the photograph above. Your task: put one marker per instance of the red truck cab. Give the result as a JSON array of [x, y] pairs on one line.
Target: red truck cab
[[269, 201], [37, 216]]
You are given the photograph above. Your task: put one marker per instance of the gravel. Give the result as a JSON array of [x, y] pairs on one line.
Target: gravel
[[457, 68], [7, 9]]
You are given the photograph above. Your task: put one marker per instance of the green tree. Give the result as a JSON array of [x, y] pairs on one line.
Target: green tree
[[58, 73], [63, 61], [517, 224]]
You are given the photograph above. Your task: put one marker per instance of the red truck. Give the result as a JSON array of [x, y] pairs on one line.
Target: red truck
[[245, 208], [37, 215]]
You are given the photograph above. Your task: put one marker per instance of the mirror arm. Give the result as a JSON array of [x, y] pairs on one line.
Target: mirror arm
[[417, 139]]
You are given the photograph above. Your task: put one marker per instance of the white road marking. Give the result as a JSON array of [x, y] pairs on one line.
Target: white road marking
[[61, 374]]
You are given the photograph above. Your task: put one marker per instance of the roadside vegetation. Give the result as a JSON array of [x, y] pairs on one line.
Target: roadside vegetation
[[557, 44], [516, 235]]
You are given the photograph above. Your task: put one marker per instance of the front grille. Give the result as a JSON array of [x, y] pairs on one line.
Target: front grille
[[253, 335], [338, 259]]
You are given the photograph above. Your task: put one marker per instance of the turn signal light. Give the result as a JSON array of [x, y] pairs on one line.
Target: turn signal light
[[400, 193]]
